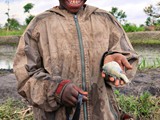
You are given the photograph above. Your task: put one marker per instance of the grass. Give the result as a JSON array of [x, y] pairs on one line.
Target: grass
[[146, 65], [15, 110], [145, 42], [9, 43], [143, 107], [10, 33]]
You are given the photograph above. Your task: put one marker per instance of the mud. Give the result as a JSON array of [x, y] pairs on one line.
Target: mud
[[8, 86], [148, 80], [144, 81]]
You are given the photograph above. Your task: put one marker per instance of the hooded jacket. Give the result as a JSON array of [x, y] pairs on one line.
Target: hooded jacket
[[59, 46]]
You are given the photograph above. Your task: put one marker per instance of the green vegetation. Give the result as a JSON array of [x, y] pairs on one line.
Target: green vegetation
[[128, 27], [15, 110], [28, 20], [143, 107], [12, 32], [120, 15], [146, 65], [146, 42], [151, 10], [12, 25], [27, 9], [152, 22], [8, 43]]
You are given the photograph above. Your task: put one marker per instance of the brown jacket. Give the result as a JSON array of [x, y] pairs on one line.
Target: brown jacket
[[49, 51]]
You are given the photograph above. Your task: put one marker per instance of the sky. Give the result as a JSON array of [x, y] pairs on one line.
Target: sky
[[132, 8]]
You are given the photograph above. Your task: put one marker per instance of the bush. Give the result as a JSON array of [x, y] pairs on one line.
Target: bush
[[132, 28], [143, 107], [157, 27], [4, 32]]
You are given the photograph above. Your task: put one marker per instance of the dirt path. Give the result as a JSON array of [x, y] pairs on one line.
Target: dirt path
[[148, 80], [8, 87]]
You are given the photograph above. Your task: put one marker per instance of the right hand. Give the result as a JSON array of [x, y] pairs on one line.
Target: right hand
[[70, 95], [122, 61]]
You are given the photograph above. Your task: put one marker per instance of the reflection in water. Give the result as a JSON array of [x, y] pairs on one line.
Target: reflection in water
[[6, 64], [7, 52], [149, 53]]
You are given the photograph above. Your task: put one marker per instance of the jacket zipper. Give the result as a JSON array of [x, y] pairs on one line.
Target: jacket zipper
[[82, 63]]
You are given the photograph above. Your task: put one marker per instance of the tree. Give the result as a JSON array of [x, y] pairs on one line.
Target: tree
[[129, 27], [27, 9], [7, 13], [13, 24], [153, 11], [119, 14], [149, 21], [28, 20]]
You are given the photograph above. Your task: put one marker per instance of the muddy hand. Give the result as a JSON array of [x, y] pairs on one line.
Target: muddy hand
[[120, 59], [114, 77], [116, 82], [70, 95]]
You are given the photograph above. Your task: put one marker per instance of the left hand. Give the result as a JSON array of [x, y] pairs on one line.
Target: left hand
[[122, 61]]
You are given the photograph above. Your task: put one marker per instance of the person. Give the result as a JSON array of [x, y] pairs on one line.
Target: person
[[60, 56]]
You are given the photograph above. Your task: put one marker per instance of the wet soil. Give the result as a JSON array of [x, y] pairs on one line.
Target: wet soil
[[147, 80], [8, 86], [144, 81]]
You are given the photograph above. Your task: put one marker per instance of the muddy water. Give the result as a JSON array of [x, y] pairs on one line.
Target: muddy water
[[149, 52], [7, 53]]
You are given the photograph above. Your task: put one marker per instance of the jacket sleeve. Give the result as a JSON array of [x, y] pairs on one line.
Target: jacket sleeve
[[119, 43], [34, 83]]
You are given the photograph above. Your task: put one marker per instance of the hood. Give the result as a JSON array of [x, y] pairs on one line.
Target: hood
[[88, 10]]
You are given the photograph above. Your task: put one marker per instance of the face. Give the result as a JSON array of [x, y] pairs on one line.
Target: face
[[72, 6]]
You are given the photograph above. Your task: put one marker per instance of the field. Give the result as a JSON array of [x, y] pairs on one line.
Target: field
[[11, 33]]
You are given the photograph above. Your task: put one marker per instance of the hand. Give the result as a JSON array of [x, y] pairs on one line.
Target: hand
[[122, 61], [70, 95]]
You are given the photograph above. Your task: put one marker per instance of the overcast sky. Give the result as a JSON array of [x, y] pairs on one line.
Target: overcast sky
[[133, 8]]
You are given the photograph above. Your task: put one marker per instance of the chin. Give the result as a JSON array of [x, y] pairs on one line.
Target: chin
[[73, 11], [74, 8]]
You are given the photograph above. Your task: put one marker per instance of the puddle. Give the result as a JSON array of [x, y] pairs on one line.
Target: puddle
[[148, 52], [7, 53]]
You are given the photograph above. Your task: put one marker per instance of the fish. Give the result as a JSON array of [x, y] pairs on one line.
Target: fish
[[114, 70]]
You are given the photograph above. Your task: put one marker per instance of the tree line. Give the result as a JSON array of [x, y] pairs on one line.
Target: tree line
[[152, 22], [12, 23]]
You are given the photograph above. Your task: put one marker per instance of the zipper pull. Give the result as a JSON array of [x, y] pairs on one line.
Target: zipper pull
[[75, 16]]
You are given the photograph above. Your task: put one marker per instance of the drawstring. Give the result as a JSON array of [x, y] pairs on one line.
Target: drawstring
[[77, 111]]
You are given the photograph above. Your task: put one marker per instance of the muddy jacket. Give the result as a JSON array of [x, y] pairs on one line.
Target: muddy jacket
[[60, 46]]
